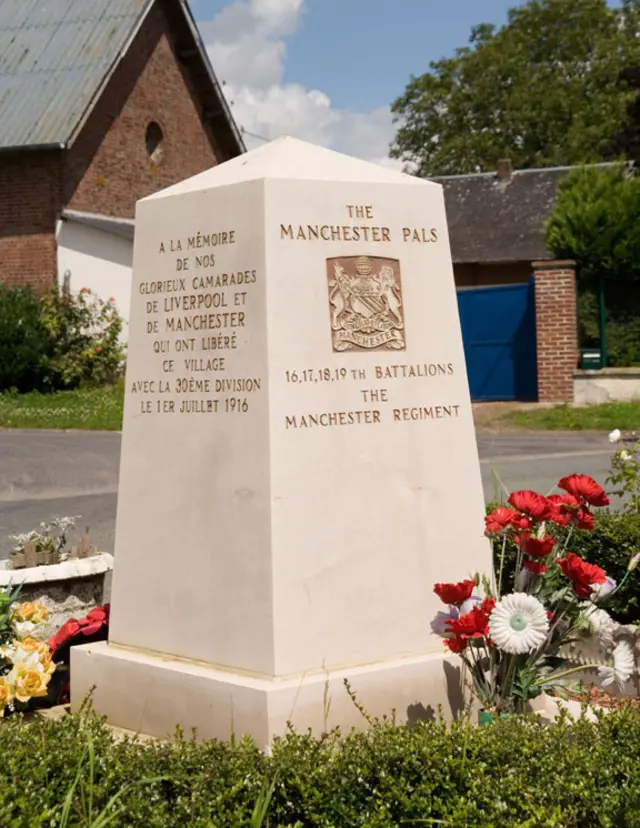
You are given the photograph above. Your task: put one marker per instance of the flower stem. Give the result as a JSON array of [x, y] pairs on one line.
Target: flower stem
[[565, 673], [504, 547]]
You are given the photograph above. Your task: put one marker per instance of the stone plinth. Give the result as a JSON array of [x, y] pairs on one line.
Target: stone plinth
[[299, 461]]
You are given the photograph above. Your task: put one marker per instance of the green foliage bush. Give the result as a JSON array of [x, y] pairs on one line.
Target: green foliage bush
[[611, 545], [513, 773], [595, 223], [623, 320], [24, 340], [86, 332], [59, 341]]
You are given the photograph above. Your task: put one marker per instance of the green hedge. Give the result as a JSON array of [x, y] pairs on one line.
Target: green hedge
[[615, 539], [513, 773]]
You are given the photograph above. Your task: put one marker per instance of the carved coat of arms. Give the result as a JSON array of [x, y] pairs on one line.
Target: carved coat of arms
[[365, 299]]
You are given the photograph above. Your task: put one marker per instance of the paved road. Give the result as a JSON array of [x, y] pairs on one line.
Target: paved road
[[46, 473]]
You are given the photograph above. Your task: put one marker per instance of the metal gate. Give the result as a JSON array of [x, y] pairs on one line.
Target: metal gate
[[499, 336]]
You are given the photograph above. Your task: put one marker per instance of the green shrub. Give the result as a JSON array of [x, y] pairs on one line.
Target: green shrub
[[58, 342], [85, 331], [613, 542], [25, 342], [513, 773]]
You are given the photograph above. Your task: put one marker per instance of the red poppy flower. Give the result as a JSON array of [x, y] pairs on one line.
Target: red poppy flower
[[581, 574], [562, 507], [488, 605], [454, 594], [456, 645], [499, 520], [568, 508], [537, 548], [537, 567], [473, 624], [585, 520], [530, 503], [585, 489]]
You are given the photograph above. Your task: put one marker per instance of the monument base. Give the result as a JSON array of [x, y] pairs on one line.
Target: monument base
[[153, 694]]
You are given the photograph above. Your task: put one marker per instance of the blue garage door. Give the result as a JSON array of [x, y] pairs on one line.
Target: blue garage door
[[499, 335]]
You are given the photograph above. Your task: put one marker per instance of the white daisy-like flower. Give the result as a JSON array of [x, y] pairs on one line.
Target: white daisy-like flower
[[615, 436], [519, 623], [622, 668], [599, 621], [625, 455]]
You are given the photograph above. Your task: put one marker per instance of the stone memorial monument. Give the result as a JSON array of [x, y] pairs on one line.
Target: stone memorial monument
[[299, 462]]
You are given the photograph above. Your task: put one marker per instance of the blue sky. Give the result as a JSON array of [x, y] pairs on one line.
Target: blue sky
[[328, 70]]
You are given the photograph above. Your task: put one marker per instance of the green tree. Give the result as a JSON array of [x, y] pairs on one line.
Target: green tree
[[596, 223], [545, 89]]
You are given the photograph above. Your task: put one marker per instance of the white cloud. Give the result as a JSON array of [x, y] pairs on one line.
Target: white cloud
[[247, 46]]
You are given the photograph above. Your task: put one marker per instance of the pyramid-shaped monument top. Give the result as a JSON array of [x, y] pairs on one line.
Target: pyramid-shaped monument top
[[290, 158]]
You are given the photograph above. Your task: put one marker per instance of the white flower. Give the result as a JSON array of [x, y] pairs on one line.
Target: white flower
[[439, 623], [602, 590], [624, 455], [622, 668], [615, 436], [469, 604], [27, 629], [599, 621], [519, 623]]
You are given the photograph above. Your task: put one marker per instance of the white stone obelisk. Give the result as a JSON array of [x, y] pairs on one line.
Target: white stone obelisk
[[299, 463]]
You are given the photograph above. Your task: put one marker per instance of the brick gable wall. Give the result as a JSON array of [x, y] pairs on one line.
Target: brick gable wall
[[30, 183], [108, 168]]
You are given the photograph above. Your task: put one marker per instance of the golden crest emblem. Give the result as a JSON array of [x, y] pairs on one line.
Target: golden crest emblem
[[365, 302]]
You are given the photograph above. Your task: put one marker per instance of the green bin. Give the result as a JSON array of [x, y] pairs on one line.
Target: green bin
[[591, 359]]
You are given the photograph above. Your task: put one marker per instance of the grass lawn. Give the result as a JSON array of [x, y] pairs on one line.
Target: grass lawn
[[99, 408], [606, 417]]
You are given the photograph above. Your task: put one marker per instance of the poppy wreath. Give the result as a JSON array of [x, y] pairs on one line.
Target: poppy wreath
[[93, 627]]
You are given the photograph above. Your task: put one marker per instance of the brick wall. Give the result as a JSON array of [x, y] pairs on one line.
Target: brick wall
[[30, 187], [108, 168], [557, 329]]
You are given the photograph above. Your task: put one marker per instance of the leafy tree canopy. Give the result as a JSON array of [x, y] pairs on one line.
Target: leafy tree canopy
[[545, 89], [596, 222]]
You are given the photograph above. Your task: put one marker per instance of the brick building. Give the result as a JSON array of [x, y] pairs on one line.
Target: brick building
[[102, 102]]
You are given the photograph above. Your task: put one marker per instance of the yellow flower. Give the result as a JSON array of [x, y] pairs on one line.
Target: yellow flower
[[6, 693], [46, 662], [29, 645], [24, 611], [40, 613], [29, 683]]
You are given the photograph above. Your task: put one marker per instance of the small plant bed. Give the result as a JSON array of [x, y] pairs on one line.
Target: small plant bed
[[92, 409], [626, 415], [595, 696]]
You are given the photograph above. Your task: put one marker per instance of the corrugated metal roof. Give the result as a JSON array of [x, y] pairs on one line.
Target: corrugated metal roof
[[54, 57]]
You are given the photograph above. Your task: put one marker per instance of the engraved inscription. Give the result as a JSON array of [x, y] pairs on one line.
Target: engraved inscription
[[365, 303]]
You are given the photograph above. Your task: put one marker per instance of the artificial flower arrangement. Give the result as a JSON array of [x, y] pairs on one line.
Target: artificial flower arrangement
[[26, 663], [50, 542], [512, 630]]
